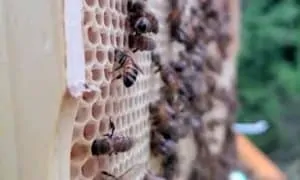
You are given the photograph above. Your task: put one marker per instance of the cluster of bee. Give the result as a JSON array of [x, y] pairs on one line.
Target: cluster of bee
[[140, 22], [190, 87]]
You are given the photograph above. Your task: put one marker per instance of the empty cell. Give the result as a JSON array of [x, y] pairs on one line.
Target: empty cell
[[125, 41], [103, 3], [112, 39], [116, 107], [88, 74], [77, 132], [101, 55], [115, 22], [74, 170], [103, 126], [90, 130], [104, 91], [107, 18], [124, 7], [104, 38], [82, 114], [97, 110], [89, 168], [111, 56], [96, 73], [118, 5], [112, 4], [90, 3], [90, 97], [121, 22], [108, 107], [88, 56], [92, 35], [119, 40], [87, 17], [79, 152], [99, 18], [108, 74]]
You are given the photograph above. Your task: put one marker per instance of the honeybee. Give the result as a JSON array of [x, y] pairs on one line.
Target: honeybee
[[161, 111], [170, 165], [140, 20], [140, 42], [175, 87], [127, 175], [156, 60], [130, 69], [160, 145], [111, 144]]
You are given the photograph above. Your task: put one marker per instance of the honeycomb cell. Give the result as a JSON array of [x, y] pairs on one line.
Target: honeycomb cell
[[125, 41], [87, 17], [90, 130], [121, 22], [99, 18], [90, 97], [111, 56], [104, 38], [104, 91], [75, 171], [77, 132], [101, 55], [103, 127], [107, 74], [107, 18], [115, 22], [89, 56], [112, 4], [112, 39], [97, 110], [118, 6], [97, 73], [92, 34], [124, 7], [119, 40], [82, 114], [89, 168], [108, 107], [90, 3], [103, 3], [79, 152]]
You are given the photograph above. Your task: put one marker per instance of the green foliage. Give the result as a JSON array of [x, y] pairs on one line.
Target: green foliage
[[269, 60]]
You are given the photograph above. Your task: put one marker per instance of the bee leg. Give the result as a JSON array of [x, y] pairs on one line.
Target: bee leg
[[117, 77], [117, 68], [112, 126], [135, 50], [108, 174]]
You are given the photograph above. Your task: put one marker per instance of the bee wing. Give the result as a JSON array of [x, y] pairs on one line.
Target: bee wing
[[131, 172], [138, 68]]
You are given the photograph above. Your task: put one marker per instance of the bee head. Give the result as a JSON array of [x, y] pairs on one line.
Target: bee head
[[100, 146], [179, 66], [142, 24]]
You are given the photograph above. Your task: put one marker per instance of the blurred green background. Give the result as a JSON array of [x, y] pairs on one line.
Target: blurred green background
[[269, 76]]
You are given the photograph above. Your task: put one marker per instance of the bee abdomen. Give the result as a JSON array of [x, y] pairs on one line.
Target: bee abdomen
[[130, 77], [122, 143], [100, 146]]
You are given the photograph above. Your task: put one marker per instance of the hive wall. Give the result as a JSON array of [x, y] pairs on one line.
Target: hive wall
[[47, 133]]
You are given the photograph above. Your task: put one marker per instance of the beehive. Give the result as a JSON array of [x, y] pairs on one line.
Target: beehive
[[38, 142]]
